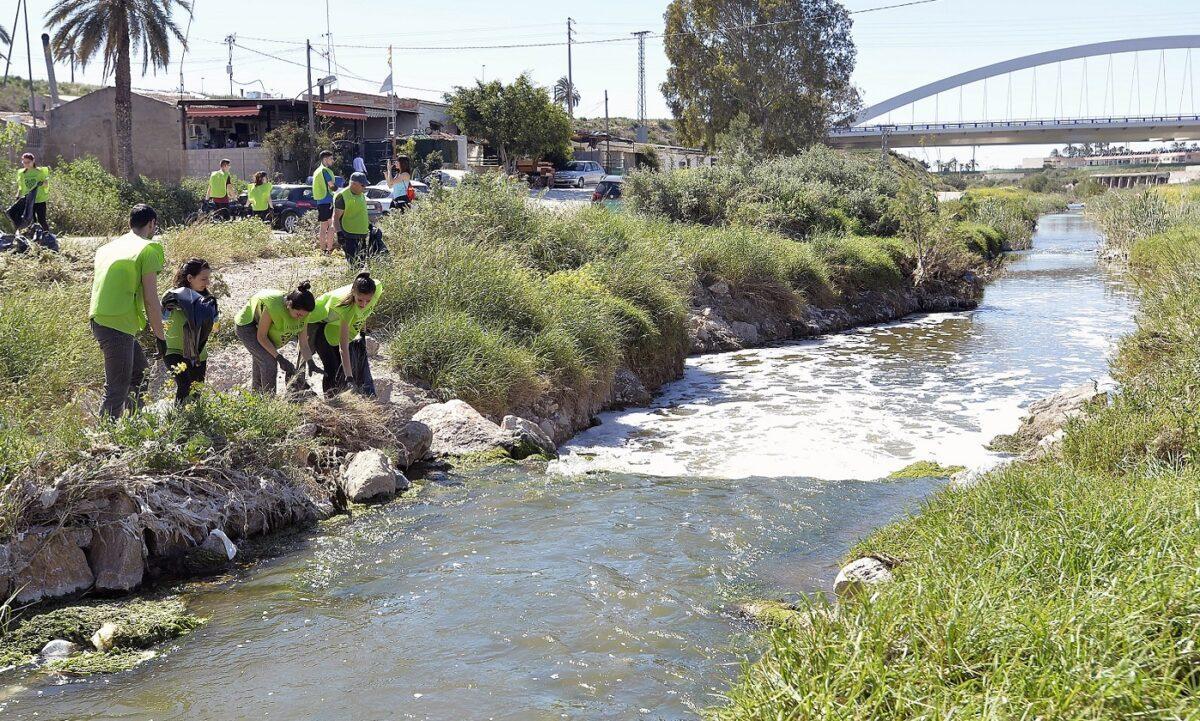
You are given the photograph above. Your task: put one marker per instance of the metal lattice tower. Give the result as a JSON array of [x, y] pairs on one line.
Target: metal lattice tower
[[641, 104]]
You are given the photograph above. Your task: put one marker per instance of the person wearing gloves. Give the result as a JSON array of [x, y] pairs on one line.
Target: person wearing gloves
[[32, 177], [345, 312], [267, 323], [191, 316], [124, 300]]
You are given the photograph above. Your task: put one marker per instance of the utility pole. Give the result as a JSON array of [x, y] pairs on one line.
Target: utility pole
[[312, 123], [642, 132], [29, 60], [607, 137], [230, 40], [570, 69], [12, 43], [328, 42]]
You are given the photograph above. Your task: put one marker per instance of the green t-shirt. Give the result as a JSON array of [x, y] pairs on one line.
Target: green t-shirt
[[28, 179], [217, 183], [173, 325], [283, 326], [322, 177], [120, 265], [355, 220], [260, 196], [336, 315]]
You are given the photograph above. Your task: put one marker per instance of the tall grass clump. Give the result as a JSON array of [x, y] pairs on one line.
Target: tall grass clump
[[817, 191], [495, 301], [1061, 588], [229, 242], [1127, 217]]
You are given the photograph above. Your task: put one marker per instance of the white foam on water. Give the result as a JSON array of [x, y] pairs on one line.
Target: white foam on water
[[862, 404]]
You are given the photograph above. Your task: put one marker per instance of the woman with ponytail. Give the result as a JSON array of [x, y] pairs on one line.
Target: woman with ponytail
[[343, 315], [267, 323], [189, 315]]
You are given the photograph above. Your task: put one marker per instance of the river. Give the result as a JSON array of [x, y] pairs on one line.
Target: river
[[595, 590]]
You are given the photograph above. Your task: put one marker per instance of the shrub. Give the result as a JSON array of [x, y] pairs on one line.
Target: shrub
[[863, 263], [452, 353]]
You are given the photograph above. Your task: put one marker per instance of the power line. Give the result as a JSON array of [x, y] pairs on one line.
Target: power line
[[601, 41]]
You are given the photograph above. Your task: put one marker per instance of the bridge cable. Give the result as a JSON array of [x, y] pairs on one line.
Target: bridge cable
[[1166, 107], [1009, 110], [1108, 82], [985, 94], [1133, 85], [1157, 78], [1083, 91], [1033, 95], [1059, 104]]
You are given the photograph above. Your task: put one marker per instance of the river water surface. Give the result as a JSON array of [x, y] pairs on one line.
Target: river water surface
[[595, 591]]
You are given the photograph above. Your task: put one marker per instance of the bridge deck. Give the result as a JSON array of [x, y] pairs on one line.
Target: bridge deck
[[1021, 132]]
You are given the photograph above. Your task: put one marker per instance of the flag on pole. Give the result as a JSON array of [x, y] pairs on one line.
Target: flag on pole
[[387, 84]]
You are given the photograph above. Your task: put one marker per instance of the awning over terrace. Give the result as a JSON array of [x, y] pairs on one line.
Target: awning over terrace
[[207, 111]]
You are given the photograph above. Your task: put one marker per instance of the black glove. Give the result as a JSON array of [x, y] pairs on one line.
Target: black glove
[[160, 345], [314, 369], [285, 365]]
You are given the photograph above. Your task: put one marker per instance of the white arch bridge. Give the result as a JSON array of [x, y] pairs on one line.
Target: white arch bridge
[[1164, 120]]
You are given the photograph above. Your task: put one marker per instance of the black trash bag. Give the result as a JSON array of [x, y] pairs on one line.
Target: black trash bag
[[21, 212]]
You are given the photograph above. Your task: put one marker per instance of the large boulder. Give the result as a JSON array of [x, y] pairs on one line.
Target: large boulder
[[1047, 418], [860, 574], [117, 554], [51, 563], [460, 430], [628, 390], [527, 439], [369, 476], [415, 439]]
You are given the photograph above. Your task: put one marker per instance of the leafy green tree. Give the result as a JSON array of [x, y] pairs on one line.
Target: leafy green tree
[[566, 94], [915, 208], [786, 64], [112, 30], [518, 119]]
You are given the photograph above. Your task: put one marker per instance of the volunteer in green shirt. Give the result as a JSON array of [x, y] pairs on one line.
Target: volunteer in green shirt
[[30, 176], [190, 314], [267, 323], [220, 184], [259, 196], [350, 216], [124, 299], [344, 315], [322, 191]]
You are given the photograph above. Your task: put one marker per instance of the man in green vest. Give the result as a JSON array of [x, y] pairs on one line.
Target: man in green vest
[[220, 185], [350, 216], [124, 299], [322, 191]]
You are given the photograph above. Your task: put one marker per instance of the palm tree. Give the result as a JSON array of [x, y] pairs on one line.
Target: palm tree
[[112, 30], [563, 89], [5, 38]]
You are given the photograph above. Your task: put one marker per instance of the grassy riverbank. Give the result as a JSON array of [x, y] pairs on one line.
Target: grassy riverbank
[[1063, 588]]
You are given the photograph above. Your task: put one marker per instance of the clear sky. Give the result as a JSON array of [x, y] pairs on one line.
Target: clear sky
[[897, 50]]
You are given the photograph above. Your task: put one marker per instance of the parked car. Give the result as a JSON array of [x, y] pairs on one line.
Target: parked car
[[289, 202], [447, 178], [579, 173], [379, 197], [608, 191]]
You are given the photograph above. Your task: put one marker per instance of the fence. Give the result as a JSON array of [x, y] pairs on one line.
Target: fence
[[245, 162]]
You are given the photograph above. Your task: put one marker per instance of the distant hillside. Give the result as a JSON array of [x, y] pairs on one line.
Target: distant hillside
[[662, 131], [14, 95]]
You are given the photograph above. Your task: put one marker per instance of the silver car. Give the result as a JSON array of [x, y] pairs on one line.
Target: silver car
[[579, 173]]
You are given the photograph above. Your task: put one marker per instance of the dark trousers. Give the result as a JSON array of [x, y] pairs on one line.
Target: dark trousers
[[331, 361], [39, 216], [186, 374], [124, 371], [360, 248]]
